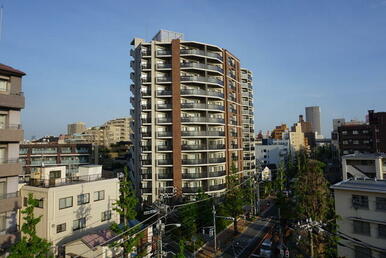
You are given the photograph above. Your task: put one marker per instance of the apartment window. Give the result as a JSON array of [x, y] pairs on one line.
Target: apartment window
[[40, 203], [366, 141], [345, 142], [3, 224], [381, 231], [365, 131], [79, 224], [83, 198], [3, 85], [25, 201], [355, 142], [380, 203], [360, 202], [106, 215], [361, 227], [355, 132], [99, 195], [344, 132], [361, 252], [61, 228], [55, 174], [65, 203]]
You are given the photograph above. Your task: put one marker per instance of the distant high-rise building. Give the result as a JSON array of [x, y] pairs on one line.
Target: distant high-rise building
[[11, 134], [313, 116], [78, 127], [193, 117], [277, 133]]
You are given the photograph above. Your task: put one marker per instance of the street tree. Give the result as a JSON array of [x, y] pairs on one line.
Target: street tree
[[30, 245]]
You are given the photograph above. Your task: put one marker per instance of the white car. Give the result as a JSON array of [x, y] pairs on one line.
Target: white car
[[265, 249]]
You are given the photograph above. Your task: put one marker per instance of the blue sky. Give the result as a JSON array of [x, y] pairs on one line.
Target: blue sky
[[301, 52]]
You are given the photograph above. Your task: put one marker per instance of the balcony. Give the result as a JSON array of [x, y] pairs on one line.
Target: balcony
[[146, 106], [192, 189], [164, 134], [193, 161], [146, 120], [146, 53], [146, 190], [10, 167], [194, 175], [164, 79], [202, 66], [216, 146], [164, 106], [201, 53], [202, 120], [146, 93], [165, 176], [201, 79], [217, 187], [163, 120], [217, 173], [193, 147], [164, 162], [13, 100], [164, 52], [146, 66], [164, 66], [146, 134], [216, 160], [234, 146], [195, 92], [146, 148], [202, 133], [202, 106], [11, 133], [146, 79], [164, 148], [164, 93], [146, 176], [146, 162]]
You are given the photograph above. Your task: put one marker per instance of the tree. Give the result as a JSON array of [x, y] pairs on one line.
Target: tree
[[233, 203], [181, 247], [30, 245], [126, 206]]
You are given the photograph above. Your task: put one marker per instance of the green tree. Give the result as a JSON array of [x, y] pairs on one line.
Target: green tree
[[30, 245], [126, 206], [181, 250], [233, 203]]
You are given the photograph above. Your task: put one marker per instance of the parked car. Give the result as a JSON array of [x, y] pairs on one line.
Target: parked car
[[265, 249]]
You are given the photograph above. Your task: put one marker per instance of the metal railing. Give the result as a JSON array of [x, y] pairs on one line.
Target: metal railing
[[203, 119], [216, 146], [164, 79], [217, 173], [164, 147], [203, 66], [202, 92], [146, 162], [201, 53], [164, 52], [193, 161], [146, 120], [202, 133], [64, 181], [194, 175], [216, 160], [202, 79], [164, 134], [216, 187], [164, 92], [164, 162], [164, 120], [191, 189], [164, 106], [164, 65], [165, 176], [193, 147]]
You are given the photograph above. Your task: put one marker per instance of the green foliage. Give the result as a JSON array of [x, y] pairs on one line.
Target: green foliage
[[181, 246], [30, 245], [126, 207]]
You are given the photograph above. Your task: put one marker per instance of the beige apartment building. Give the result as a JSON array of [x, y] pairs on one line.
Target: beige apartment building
[[76, 128], [188, 104], [71, 207], [109, 133], [11, 134], [360, 202]]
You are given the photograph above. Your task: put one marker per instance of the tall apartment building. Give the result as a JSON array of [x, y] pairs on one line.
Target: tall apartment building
[[75, 128], [277, 133], [313, 116], [360, 203], [11, 134], [248, 128], [36, 155], [187, 110]]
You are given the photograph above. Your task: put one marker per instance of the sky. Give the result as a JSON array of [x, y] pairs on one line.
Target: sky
[[301, 52]]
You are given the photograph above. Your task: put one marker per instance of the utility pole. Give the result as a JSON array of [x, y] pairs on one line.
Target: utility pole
[[214, 229], [311, 244]]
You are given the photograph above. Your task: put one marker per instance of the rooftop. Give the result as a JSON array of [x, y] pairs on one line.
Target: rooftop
[[48, 183], [364, 156], [10, 70], [364, 185]]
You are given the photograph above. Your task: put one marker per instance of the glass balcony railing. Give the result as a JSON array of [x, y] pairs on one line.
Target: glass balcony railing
[[202, 92], [202, 133], [201, 53], [202, 66], [201, 79], [203, 119]]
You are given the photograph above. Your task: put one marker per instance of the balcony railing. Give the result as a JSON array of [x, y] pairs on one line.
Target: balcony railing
[[202, 92], [203, 133], [203, 66], [146, 190], [146, 93], [191, 189], [216, 147], [193, 161], [202, 79], [201, 53], [146, 134], [165, 176], [146, 176], [164, 79], [164, 92], [164, 52], [202, 106], [164, 120], [194, 175], [217, 187], [146, 148], [146, 53], [216, 160], [4, 126], [164, 134], [164, 106], [146, 106], [161, 162], [164, 147], [146, 162], [217, 173], [193, 147], [9, 195], [64, 181], [203, 119]]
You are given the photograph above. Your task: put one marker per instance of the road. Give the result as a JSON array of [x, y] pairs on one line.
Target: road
[[245, 244]]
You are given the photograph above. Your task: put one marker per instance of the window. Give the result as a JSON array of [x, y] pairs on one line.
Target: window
[[25, 201], [3, 85], [360, 202], [365, 131], [355, 142], [380, 203], [3, 224], [40, 203], [55, 174], [83, 198], [65, 202], [79, 224], [345, 142], [99, 195], [381, 231], [344, 132], [362, 228], [106, 215], [61, 228], [355, 132]]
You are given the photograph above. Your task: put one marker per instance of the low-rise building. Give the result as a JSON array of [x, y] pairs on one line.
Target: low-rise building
[[372, 165], [71, 207], [35, 155], [272, 151]]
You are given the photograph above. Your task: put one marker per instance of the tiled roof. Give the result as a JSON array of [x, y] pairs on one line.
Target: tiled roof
[[11, 70]]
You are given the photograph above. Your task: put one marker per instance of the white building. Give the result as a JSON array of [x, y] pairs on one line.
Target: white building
[[272, 151], [360, 202], [72, 207]]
